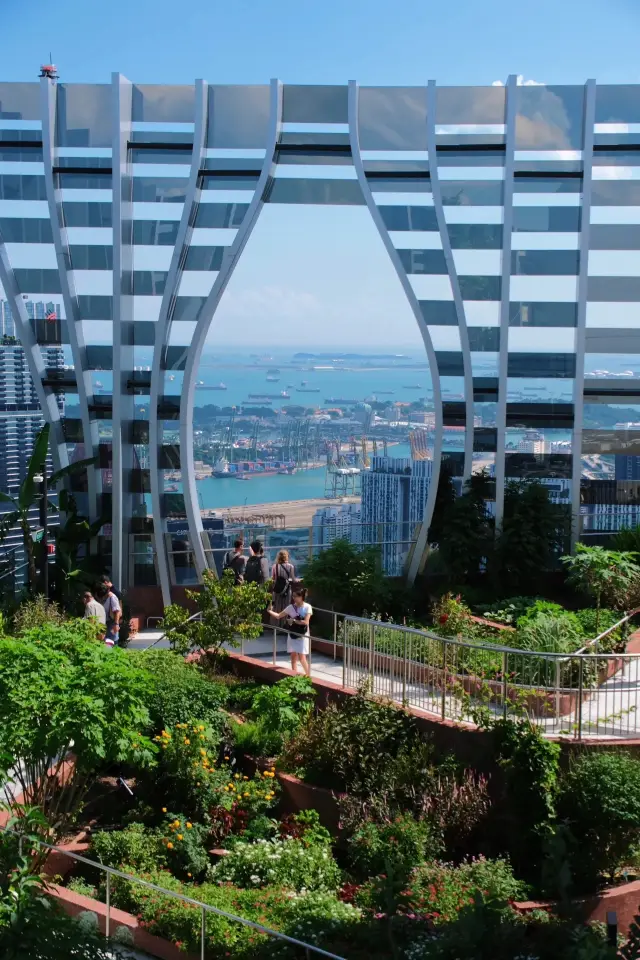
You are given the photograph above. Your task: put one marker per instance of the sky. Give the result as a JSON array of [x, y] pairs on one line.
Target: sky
[[320, 274]]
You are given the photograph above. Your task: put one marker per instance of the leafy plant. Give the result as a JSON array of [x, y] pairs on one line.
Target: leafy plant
[[287, 863], [506, 611], [185, 845], [59, 691], [397, 847], [305, 826], [277, 712], [548, 633], [36, 612], [601, 572], [452, 617], [229, 612], [349, 575], [599, 800], [468, 533], [135, 848]]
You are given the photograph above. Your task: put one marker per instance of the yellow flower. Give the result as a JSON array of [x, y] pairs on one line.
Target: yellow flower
[[203, 752], [237, 776], [246, 794], [169, 845], [201, 726], [202, 736], [164, 809], [180, 837], [176, 823], [189, 825], [186, 740], [188, 874], [245, 778]]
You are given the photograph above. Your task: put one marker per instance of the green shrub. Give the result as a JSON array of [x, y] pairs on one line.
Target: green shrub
[[506, 611], [395, 847], [186, 847], [599, 799], [78, 885], [593, 625], [539, 606], [181, 690], [35, 613], [135, 847], [291, 864], [319, 918], [305, 826], [275, 713], [548, 632]]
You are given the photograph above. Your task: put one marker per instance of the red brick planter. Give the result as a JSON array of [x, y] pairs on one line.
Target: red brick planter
[[624, 900]]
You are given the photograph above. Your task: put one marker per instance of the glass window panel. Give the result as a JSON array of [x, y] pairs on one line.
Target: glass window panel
[[439, 312], [38, 281], [20, 101], [526, 184], [186, 309], [458, 194], [84, 181], [238, 116], [221, 214], [204, 258], [21, 154], [522, 465], [613, 288], [314, 104], [393, 183], [475, 236], [617, 158], [146, 282], [484, 339], [543, 314], [84, 115], [549, 118], [450, 363], [480, 288], [157, 103], [235, 182], [470, 105], [14, 230], [545, 262], [619, 103], [167, 190], [26, 187], [545, 365], [423, 261], [615, 192], [180, 154], [88, 214], [91, 257], [95, 308], [545, 389], [154, 232], [547, 219], [614, 236], [541, 415], [607, 340], [471, 158], [392, 118], [316, 191]]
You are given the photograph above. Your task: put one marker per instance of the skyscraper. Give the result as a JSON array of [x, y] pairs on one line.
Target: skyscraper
[[394, 493], [343, 522]]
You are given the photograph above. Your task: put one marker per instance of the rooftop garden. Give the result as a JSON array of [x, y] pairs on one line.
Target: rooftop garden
[[179, 772]]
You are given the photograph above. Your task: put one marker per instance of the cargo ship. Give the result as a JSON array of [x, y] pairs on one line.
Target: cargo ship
[[283, 395], [307, 389], [211, 386]]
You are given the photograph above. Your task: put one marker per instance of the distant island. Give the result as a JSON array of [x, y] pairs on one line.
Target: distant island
[[350, 356]]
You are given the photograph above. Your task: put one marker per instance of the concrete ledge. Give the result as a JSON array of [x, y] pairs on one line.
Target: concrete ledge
[[624, 900]]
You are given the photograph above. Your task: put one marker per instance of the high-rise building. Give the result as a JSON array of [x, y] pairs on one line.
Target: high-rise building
[[507, 234], [342, 522], [394, 494]]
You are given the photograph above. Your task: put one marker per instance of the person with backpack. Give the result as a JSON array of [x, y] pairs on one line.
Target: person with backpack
[[298, 614], [257, 568], [282, 574], [236, 561]]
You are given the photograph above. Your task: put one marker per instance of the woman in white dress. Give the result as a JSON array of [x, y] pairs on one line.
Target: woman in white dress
[[298, 613]]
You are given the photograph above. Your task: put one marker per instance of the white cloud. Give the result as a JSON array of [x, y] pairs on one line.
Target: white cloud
[[521, 82]]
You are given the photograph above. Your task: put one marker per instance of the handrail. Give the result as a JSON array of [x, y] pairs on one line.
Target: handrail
[[596, 640], [194, 616], [205, 907]]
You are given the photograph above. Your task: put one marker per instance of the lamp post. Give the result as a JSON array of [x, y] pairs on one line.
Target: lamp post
[[41, 478]]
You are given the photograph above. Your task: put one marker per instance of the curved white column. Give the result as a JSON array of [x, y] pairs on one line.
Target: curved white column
[[205, 318], [421, 543]]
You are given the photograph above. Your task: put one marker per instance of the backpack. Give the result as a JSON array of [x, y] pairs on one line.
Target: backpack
[[283, 580], [236, 563], [253, 572]]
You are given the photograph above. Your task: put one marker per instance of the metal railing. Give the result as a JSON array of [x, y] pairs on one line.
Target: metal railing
[[582, 695], [307, 949]]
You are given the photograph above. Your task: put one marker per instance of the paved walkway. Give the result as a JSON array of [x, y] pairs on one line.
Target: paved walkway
[[611, 712]]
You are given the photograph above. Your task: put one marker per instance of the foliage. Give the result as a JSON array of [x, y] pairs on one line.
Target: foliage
[[593, 622], [445, 498], [467, 534], [36, 612], [59, 691], [599, 800], [452, 617], [185, 845], [506, 611], [319, 918], [78, 885], [397, 847], [134, 848], [349, 576], [305, 826], [602, 573], [291, 864], [277, 712], [548, 633], [72, 572], [533, 533], [180, 690], [229, 612], [29, 496]]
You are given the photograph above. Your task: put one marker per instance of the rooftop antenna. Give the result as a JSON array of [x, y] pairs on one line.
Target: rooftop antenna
[[49, 70]]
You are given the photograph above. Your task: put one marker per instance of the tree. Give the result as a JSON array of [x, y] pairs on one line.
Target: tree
[[466, 540], [76, 532], [62, 692], [601, 572], [445, 498], [344, 573], [29, 496], [533, 533], [228, 611]]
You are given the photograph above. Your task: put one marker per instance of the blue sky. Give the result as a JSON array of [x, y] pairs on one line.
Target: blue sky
[[314, 273]]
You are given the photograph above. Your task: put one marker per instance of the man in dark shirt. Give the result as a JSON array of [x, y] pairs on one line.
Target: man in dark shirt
[[234, 560]]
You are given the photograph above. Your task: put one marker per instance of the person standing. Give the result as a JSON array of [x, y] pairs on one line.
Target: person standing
[[257, 568], [106, 585], [113, 614], [236, 561], [299, 614], [282, 574], [92, 608]]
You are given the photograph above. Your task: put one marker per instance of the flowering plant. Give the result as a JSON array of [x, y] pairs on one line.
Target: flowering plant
[[287, 863], [185, 845]]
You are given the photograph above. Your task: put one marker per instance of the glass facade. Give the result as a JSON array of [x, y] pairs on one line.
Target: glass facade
[[509, 213]]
